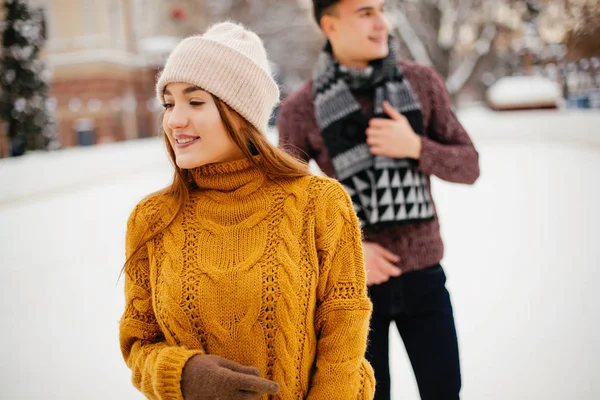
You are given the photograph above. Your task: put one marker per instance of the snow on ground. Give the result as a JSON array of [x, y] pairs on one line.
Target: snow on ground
[[522, 257]]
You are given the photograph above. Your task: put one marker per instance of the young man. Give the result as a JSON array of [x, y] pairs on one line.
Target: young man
[[383, 126]]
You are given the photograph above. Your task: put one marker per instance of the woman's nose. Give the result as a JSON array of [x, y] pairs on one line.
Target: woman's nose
[[176, 118]]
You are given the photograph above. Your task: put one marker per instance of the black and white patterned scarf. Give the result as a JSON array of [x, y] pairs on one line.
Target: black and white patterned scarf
[[383, 189]]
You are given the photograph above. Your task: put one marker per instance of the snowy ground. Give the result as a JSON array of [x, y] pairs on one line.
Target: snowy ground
[[522, 263]]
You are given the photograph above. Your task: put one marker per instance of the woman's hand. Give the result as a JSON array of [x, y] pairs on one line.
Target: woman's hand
[[208, 377]]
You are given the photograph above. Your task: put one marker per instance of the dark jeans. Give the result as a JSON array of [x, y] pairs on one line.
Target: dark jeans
[[419, 304]]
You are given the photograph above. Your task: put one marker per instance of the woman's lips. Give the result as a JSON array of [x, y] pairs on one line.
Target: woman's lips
[[184, 141]]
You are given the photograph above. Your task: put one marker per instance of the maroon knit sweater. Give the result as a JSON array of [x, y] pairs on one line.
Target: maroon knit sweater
[[447, 152]]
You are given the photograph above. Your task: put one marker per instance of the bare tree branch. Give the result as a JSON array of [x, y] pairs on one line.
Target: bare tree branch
[[463, 11], [410, 38], [459, 77]]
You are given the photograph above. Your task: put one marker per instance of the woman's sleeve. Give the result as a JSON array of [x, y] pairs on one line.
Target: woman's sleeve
[[343, 308], [156, 367]]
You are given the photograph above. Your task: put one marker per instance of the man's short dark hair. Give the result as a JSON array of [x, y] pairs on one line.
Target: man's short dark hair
[[322, 7]]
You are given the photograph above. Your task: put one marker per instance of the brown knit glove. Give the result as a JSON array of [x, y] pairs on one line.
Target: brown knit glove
[[210, 377]]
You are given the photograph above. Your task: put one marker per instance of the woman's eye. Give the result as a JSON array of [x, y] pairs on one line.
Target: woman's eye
[[196, 103], [167, 105]]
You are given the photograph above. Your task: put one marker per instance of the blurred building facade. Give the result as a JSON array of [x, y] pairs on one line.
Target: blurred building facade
[[104, 56], [101, 85]]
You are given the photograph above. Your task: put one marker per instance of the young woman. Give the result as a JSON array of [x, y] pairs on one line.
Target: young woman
[[244, 278]]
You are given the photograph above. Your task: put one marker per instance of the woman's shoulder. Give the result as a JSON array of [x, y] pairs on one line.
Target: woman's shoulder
[[147, 208], [326, 191], [328, 188], [314, 185], [333, 206]]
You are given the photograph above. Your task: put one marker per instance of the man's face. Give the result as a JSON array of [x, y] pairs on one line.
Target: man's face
[[358, 31]]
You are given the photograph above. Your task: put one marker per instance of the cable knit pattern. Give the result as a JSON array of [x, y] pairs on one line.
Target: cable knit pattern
[[447, 152], [265, 272]]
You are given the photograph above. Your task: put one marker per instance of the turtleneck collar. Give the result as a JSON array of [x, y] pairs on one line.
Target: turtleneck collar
[[229, 176]]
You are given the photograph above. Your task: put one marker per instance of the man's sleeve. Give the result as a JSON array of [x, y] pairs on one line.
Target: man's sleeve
[[447, 152], [292, 126]]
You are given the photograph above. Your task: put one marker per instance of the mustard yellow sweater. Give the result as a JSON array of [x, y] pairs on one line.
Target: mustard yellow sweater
[[267, 273]]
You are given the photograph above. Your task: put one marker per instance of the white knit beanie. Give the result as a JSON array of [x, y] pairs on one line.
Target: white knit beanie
[[231, 63]]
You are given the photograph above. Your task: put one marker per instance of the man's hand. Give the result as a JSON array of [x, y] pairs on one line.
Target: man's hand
[[378, 262], [393, 137]]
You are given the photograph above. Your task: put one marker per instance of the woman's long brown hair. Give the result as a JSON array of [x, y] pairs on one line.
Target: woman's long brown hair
[[274, 162]]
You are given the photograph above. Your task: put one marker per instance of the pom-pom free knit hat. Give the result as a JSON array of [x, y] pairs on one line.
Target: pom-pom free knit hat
[[231, 63]]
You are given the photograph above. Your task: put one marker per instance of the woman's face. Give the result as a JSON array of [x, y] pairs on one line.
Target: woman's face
[[194, 127]]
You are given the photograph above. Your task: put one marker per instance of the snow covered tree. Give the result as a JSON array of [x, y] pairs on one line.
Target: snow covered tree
[[453, 36], [583, 39], [24, 79], [460, 38]]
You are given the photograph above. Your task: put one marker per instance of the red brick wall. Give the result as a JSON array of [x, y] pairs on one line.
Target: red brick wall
[[104, 85]]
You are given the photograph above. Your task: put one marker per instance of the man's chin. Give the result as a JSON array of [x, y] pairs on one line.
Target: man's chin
[[384, 51], [378, 53], [380, 49]]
